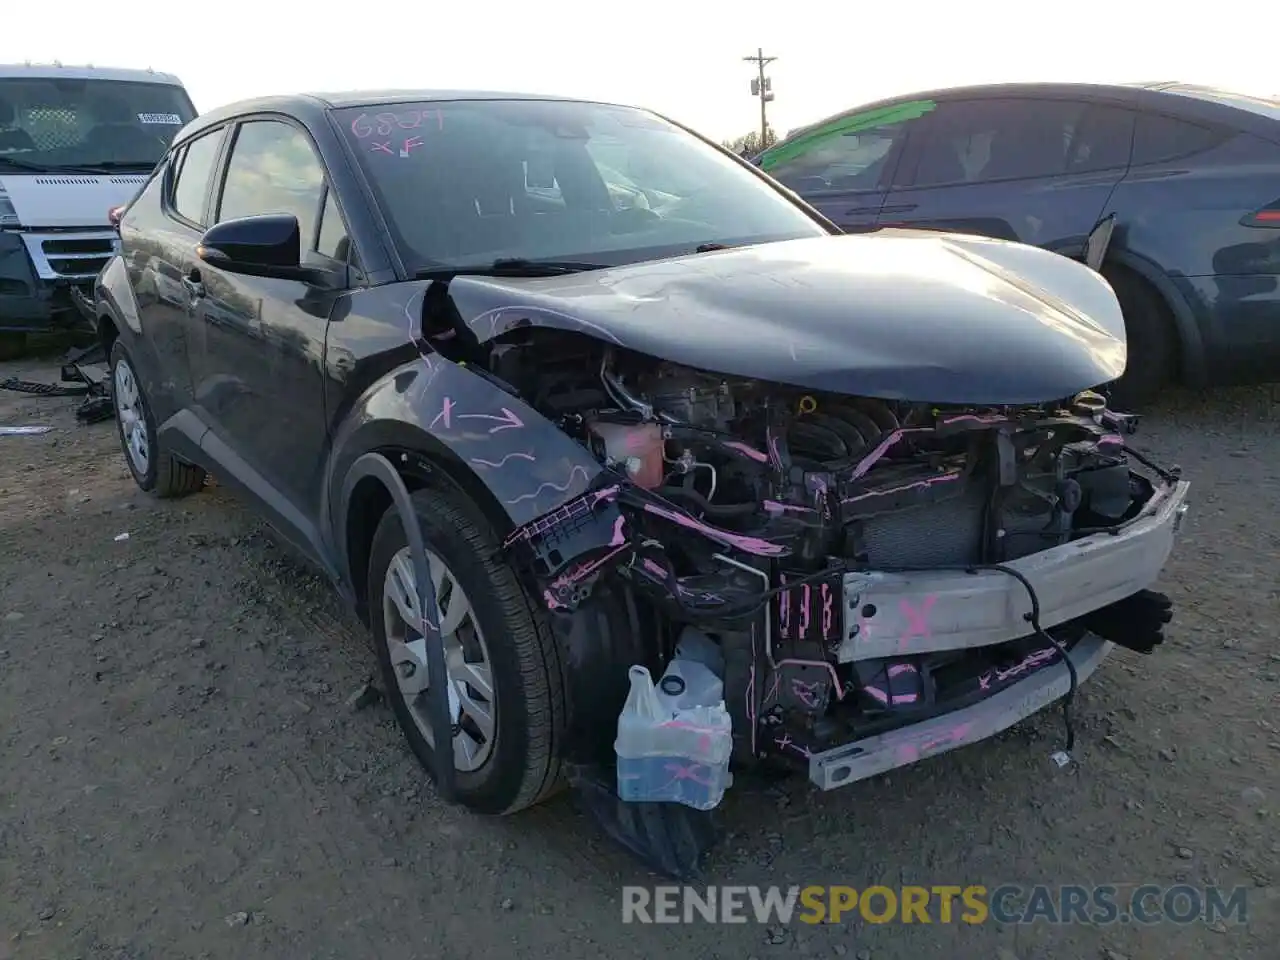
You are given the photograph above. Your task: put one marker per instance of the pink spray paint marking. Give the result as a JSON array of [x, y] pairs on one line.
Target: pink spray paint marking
[[704, 733], [748, 451], [775, 507], [806, 693], [828, 614], [881, 697], [903, 488], [558, 487], [618, 538], [785, 742], [479, 461], [911, 752], [784, 610], [772, 442], [804, 610], [883, 447], [818, 664], [445, 414], [1031, 660], [917, 620], [772, 693], [971, 418], [898, 669], [570, 511], [752, 545], [508, 420], [691, 772], [655, 568], [575, 575]]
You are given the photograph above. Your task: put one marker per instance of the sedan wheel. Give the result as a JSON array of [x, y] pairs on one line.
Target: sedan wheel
[[132, 417], [472, 704], [505, 673], [154, 469]]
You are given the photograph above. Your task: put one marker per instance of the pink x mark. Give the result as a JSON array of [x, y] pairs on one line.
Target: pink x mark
[[917, 620]]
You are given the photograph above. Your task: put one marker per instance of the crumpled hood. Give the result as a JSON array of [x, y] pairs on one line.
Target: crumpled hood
[[68, 199], [897, 314]]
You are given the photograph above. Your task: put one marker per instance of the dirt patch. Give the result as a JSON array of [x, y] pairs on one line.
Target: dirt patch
[[181, 775]]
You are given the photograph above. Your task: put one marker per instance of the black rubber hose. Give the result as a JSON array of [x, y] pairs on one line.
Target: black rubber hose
[[705, 505], [1034, 619]]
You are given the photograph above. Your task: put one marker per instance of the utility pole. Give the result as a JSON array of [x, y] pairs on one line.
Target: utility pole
[[762, 87]]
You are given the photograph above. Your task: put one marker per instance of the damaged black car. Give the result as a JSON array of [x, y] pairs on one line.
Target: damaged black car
[[639, 473]]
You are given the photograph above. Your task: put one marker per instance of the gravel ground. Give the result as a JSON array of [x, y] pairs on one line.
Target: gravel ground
[[181, 774]]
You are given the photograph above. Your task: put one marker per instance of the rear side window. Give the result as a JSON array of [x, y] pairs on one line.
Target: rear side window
[[1101, 139], [193, 173], [1159, 139], [980, 141]]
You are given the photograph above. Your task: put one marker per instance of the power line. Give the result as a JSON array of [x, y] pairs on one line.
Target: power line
[[762, 87]]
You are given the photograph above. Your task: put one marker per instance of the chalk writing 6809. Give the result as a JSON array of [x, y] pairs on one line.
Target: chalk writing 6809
[[384, 124]]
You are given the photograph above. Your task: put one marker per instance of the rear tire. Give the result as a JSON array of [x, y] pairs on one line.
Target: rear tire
[[522, 766], [154, 469], [1152, 347]]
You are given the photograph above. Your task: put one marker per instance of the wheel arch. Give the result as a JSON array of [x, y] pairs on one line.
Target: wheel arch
[[1190, 362], [437, 422], [421, 461]]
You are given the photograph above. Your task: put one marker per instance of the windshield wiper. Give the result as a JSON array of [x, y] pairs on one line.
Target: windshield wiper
[[106, 166], [22, 164], [511, 267]]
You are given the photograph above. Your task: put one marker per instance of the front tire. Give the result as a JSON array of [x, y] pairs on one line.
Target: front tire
[[506, 686], [1152, 350], [154, 469]]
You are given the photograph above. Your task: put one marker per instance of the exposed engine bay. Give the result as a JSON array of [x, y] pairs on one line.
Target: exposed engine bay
[[750, 509]]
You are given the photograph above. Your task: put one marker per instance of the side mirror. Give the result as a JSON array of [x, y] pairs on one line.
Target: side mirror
[[265, 246]]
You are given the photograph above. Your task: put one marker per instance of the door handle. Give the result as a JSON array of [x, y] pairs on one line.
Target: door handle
[[194, 287]]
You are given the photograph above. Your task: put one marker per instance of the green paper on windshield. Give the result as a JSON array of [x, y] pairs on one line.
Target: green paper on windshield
[[844, 125]]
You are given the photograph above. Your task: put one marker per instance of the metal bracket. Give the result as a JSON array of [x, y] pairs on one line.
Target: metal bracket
[[1099, 239], [376, 465]]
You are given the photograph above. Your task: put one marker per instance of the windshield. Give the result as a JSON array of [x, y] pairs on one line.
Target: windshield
[[61, 122], [468, 182]]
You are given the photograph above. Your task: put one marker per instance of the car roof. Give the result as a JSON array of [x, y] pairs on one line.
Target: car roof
[[1206, 103], [54, 71], [309, 104], [1263, 106]]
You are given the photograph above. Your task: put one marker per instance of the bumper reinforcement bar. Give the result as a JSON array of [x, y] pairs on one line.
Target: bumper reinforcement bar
[[846, 764]]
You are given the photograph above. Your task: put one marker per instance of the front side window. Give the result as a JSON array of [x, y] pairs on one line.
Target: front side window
[[848, 153], [193, 170], [467, 182], [68, 123], [332, 240], [273, 169]]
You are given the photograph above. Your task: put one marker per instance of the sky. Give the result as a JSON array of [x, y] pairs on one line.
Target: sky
[[682, 58]]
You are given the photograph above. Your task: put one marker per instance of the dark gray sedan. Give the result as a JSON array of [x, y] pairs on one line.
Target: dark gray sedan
[[1185, 179]]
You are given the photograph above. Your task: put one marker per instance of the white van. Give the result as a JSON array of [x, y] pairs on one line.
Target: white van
[[75, 143]]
